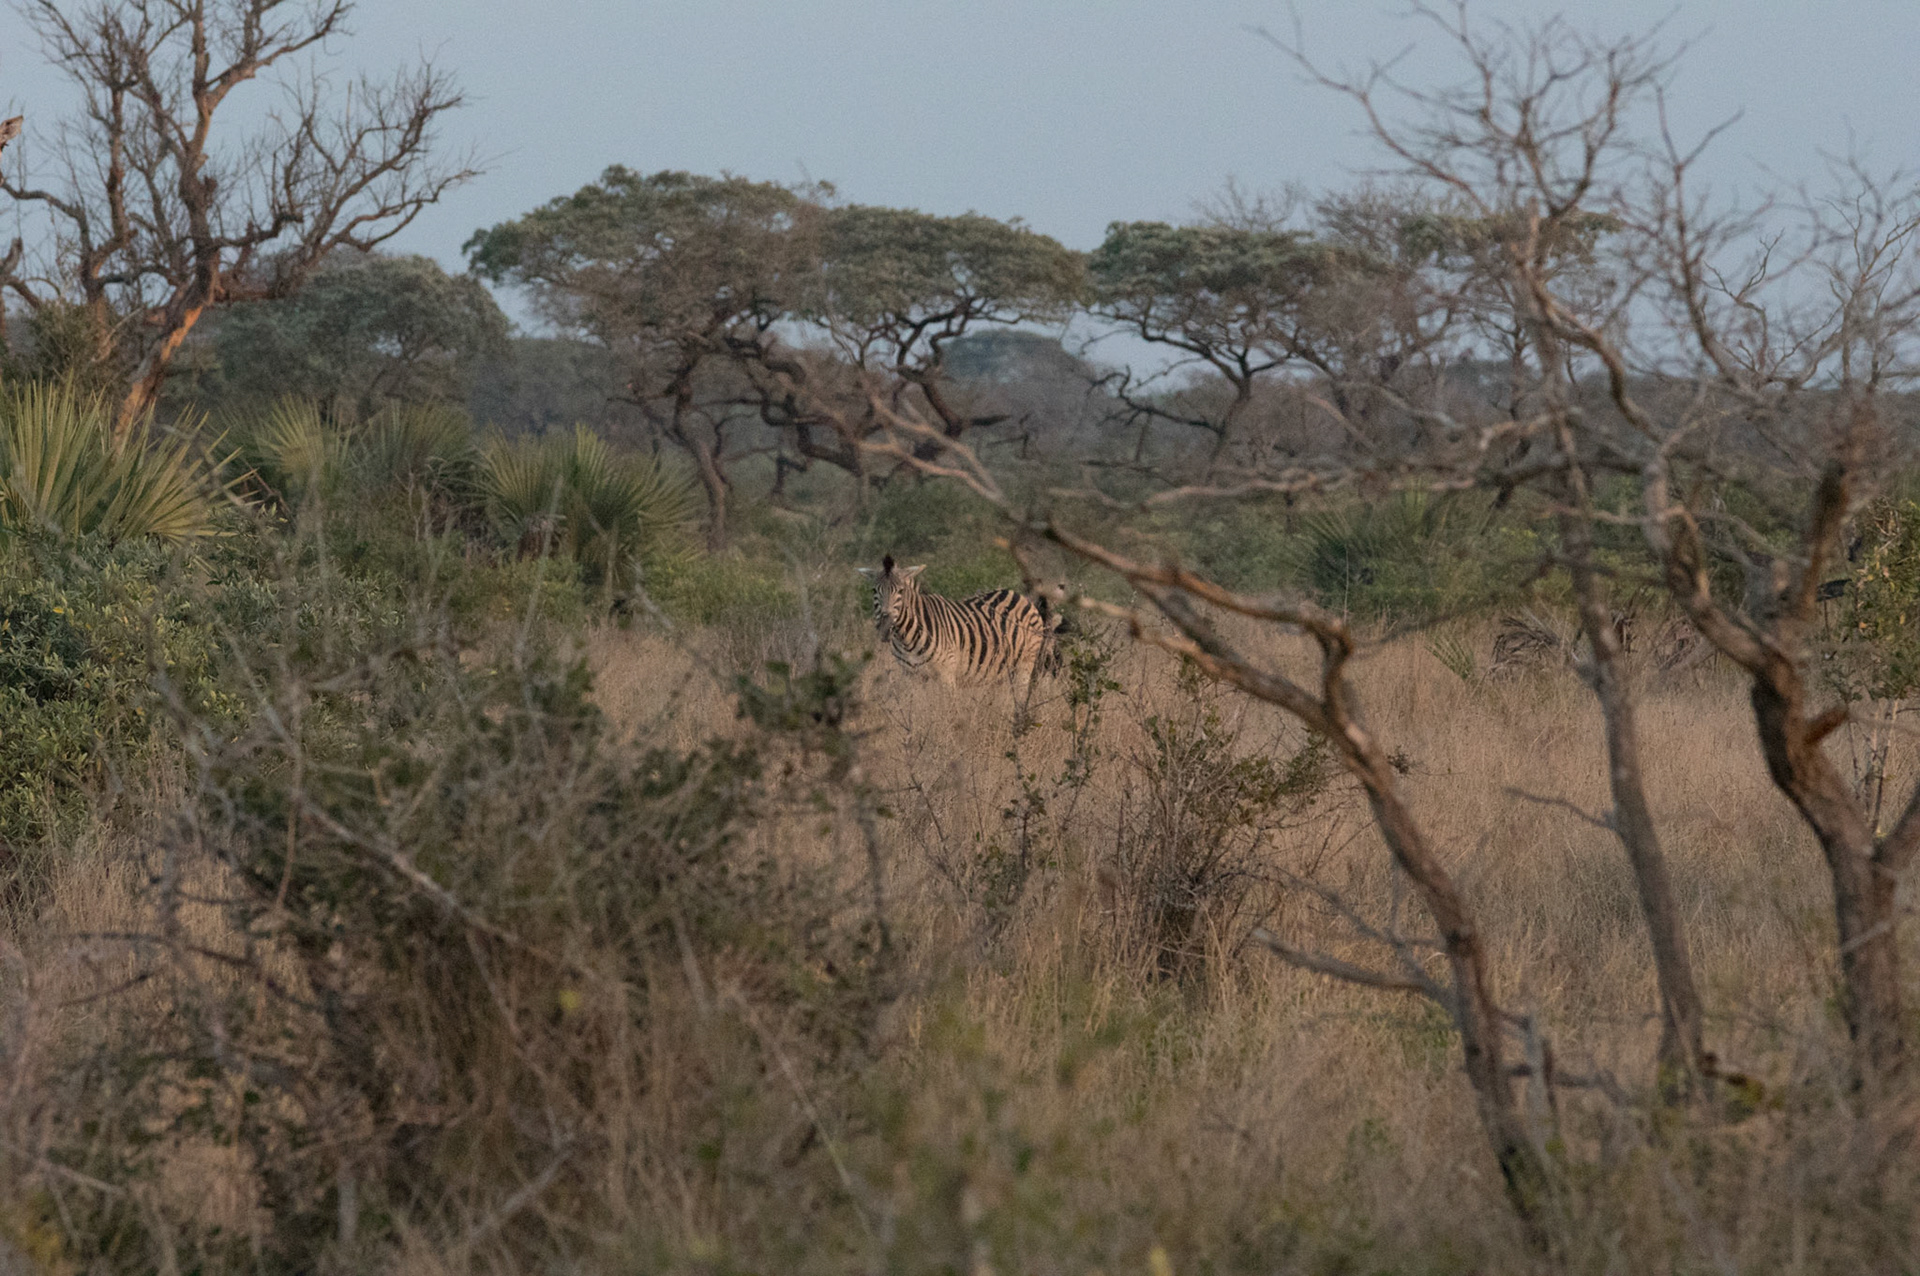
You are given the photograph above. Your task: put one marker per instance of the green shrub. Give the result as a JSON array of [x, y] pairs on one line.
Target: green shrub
[[913, 520], [1407, 557], [91, 638], [720, 589]]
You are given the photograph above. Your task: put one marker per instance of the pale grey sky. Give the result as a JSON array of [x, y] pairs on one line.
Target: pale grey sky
[[1069, 113]]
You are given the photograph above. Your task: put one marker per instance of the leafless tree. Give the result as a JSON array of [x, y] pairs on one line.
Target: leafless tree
[[1525, 149], [9, 129], [159, 211], [1722, 334], [1690, 356]]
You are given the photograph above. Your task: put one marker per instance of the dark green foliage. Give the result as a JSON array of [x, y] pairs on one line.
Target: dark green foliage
[[1193, 275], [93, 640], [634, 258], [732, 592], [544, 385], [63, 346], [810, 706], [1409, 557], [945, 526], [892, 268], [365, 331], [1014, 356]]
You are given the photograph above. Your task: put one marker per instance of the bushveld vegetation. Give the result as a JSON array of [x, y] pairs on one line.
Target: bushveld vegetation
[[1471, 828]]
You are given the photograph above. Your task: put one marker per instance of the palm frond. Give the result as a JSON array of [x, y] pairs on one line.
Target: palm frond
[[64, 473], [292, 446], [575, 493], [418, 445]]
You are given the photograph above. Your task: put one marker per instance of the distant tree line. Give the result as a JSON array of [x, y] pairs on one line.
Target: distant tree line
[[748, 317]]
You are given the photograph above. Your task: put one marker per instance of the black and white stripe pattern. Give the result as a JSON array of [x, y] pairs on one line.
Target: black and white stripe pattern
[[999, 633]]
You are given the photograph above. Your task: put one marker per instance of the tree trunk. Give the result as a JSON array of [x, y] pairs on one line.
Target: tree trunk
[[1863, 886], [151, 375], [1475, 1015], [1682, 1049], [716, 486], [1330, 710], [1242, 396]]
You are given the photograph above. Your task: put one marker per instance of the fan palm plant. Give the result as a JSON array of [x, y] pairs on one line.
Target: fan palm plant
[[62, 471], [292, 447], [574, 494], [418, 445]]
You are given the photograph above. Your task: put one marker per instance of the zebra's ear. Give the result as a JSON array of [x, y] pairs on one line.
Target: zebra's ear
[[871, 573], [908, 573]]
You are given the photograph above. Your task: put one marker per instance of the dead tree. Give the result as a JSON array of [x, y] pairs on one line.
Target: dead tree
[[157, 211], [1809, 318]]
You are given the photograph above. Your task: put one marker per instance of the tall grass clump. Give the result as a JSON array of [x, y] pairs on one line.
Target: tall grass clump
[[64, 473], [573, 495]]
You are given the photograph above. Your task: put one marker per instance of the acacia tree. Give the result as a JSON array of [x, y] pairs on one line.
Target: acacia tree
[[893, 289], [1355, 314], [678, 275], [1223, 296], [157, 210], [897, 287], [732, 301]]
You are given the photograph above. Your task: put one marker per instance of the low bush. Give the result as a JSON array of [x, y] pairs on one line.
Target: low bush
[[1409, 558], [1193, 867], [722, 590], [941, 523], [93, 637], [450, 939]]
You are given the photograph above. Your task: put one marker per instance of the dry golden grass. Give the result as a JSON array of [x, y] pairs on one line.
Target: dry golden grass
[[1267, 1092], [1043, 1096]]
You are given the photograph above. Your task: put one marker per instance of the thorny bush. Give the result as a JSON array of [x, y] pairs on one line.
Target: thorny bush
[[1197, 861], [443, 954]]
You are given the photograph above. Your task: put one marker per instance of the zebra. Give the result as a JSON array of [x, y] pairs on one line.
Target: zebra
[[999, 633]]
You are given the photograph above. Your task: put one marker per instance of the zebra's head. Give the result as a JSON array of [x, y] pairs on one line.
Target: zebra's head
[[894, 589]]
